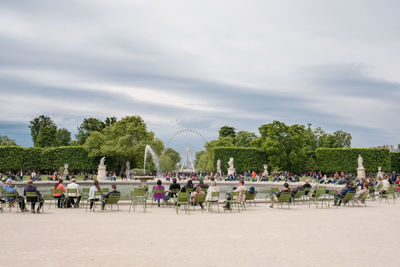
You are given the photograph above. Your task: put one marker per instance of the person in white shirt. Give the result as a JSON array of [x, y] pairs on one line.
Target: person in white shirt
[[211, 189], [95, 187], [74, 196]]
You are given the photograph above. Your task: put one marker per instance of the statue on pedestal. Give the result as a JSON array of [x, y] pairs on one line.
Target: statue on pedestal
[[265, 173], [65, 170], [231, 169], [380, 173], [360, 169], [101, 171], [219, 167]]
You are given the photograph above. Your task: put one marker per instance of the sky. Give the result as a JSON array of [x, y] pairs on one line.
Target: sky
[[202, 65]]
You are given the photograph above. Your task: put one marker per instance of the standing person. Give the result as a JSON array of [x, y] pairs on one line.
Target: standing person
[[159, 196], [10, 188], [59, 196], [33, 200], [74, 196], [394, 177], [92, 198]]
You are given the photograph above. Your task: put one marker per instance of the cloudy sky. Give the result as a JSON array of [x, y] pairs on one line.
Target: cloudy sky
[[203, 64]]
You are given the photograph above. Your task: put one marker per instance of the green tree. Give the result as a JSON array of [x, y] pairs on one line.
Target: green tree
[[284, 145], [173, 155], [89, 125], [5, 141], [63, 137], [166, 163], [244, 138], [47, 136], [124, 140], [227, 131], [36, 124]]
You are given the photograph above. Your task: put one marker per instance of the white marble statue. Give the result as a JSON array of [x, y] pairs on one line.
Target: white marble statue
[[266, 173], [101, 171], [231, 169], [230, 163], [360, 162], [380, 173], [65, 169], [360, 169]]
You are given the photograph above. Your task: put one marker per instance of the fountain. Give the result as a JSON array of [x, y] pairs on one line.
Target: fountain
[[145, 178]]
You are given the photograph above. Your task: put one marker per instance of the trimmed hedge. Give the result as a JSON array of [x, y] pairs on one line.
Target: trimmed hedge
[[245, 158], [395, 161], [13, 158], [345, 159]]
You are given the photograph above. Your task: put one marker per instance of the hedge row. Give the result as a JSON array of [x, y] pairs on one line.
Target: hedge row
[[13, 158], [244, 158], [395, 161], [346, 159]]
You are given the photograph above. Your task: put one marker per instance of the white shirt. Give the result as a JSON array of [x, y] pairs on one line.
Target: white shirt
[[74, 186], [91, 192], [385, 184]]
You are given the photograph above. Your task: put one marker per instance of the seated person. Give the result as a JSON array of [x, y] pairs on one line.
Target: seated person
[[360, 192], [307, 185], [173, 186], [242, 196], [252, 190], [199, 191], [341, 194], [10, 188], [92, 197], [74, 196], [275, 197], [211, 189], [33, 200], [59, 196], [158, 196], [106, 196]]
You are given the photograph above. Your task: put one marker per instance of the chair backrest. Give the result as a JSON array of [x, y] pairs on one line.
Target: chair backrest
[[205, 189], [72, 191], [56, 191], [300, 193], [31, 196], [363, 195], [349, 196], [320, 192], [158, 191], [7, 194], [138, 192], [215, 195], [183, 197], [113, 198], [250, 196], [174, 191], [322, 187], [105, 190], [274, 190], [285, 197], [98, 194], [85, 190], [199, 198], [189, 190]]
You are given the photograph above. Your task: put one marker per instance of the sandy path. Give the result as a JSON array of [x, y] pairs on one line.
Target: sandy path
[[366, 236]]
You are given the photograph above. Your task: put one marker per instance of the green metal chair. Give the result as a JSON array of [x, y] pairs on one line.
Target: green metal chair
[[182, 200], [319, 196], [138, 196], [97, 195], [33, 197], [85, 196], [371, 189], [13, 199], [111, 201], [158, 191], [68, 198], [189, 190], [362, 198], [56, 191], [349, 197], [214, 195], [251, 197], [390, 193], [298, 196], [270, 193], [236, 199], [199, 199], [284, 198], [204, 189], [1, 203]]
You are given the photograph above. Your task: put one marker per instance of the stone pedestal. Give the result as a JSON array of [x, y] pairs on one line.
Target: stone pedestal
[[361, 173], [265, 173], [101, 173], [231, 171]]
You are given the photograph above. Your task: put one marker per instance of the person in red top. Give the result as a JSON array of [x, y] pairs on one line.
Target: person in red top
[[253, 174], [59, 196]]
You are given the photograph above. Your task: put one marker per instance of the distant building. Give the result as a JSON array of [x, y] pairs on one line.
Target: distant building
[[392, 148]]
